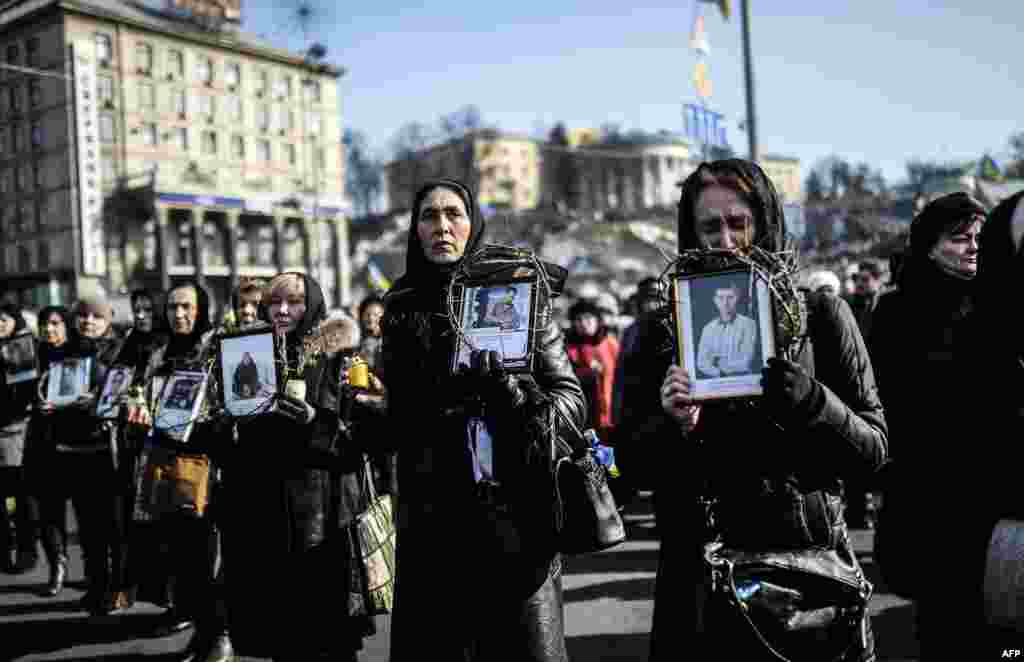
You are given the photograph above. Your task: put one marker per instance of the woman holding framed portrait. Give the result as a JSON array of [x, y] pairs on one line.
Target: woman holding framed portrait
[[757, 460]]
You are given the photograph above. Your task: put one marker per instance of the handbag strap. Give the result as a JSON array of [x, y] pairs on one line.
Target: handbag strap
[[369, 489]]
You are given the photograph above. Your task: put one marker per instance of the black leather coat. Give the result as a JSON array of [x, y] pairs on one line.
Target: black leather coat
[[464, 567]]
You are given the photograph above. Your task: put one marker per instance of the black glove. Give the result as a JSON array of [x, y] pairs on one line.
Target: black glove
[[788, 389], [294, 409], [497, 387]]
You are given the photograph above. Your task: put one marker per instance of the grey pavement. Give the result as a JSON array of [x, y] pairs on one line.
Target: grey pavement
[[609, 605]]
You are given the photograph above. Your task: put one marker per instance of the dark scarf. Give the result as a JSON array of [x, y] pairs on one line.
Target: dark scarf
[[762, 198], [998, 281], [316, 312], [47, 352], [424, 281], [184, 347]]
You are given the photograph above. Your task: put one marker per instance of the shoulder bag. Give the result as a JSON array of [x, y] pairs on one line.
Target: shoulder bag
[[375, 534]]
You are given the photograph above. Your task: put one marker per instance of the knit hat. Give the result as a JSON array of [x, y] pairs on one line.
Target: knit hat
[[96, 304], [584, 306], [820, 279]]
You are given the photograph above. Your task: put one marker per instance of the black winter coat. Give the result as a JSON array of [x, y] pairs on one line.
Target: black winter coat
[[776, 485], [455, 555]]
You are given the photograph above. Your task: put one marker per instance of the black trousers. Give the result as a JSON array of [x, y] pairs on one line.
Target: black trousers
[[192, 551], [19, 529], [100, 506]]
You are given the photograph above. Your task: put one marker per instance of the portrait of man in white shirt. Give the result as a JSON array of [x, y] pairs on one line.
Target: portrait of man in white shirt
[[728, 343]]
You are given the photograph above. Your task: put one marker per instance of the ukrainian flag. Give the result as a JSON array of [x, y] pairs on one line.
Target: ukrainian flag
[[377, 279]]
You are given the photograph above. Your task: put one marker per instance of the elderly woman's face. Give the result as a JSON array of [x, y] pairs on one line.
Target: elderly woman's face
[[54, 330], [723, 219], [443, 226], [91, 325], [958, 251], [288, 306]]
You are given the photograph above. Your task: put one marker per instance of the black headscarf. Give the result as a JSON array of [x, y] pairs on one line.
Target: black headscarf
[[316, 309], [14, 311], [181, 346], [759, 193], [47, 352], [920, 274], [138, 345], [425, 277]]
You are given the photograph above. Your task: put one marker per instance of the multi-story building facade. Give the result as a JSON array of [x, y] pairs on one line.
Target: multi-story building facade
[[519, 173], [503, 168], [139, 147]]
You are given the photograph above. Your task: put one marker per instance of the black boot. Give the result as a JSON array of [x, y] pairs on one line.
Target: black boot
[[206, 649], [58, 573]]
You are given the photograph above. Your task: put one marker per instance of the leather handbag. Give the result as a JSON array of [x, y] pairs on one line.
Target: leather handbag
[[802, 605], [586, 516], [169, 482], [376, 536]]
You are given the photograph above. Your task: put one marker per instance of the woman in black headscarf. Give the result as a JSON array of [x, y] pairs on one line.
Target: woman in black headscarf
[[15, 406], [452, 528], [287, 542], [759, 461]]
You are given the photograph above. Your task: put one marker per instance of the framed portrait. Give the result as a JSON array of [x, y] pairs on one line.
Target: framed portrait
[[180, 403], [19, 358], [249, 374], [68, 380], [499, 317], [119, 378], [724, 330]]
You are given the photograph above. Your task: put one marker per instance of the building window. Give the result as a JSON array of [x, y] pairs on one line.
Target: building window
[[234, 107], [105, 88], [294, 246], [215, 244], [149, 134], [243, 251], [107, 170], [263, 118], [180, 103], [313, 90], [36, 135], [181, 138], [24, 259], [14, 98], [205, 105], [144, 59], [28, 217], [147, 96], [32, 51], [209, 143], [238, 147], [204, 70], [5, 183], [263, 150], [44, 256], [321, 158], [287, 120], [13, 53], [20, 179], [290, 153], [262, 80], [3, 141], [265, 245], [104, 49], [15, 138], [279, 88], [176, 64], [313, 121], [183, 255], [107, 128], [233, 73], [35, 93], [37, 176]]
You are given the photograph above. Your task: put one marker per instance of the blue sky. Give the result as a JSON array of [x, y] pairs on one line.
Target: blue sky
[[870, 80]]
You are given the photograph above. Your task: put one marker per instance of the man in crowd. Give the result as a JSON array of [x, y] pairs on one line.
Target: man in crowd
[[728, 342]]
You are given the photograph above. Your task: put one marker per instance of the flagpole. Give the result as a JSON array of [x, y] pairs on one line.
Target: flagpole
[[748, 69]]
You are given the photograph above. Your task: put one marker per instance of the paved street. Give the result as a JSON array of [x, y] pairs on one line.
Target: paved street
[[608, 610]]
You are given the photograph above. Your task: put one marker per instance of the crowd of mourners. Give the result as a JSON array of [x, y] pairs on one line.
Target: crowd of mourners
[[895, 409]]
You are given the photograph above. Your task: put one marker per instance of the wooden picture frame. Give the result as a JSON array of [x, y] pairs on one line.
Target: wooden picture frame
[[724, 331], [497, 316]]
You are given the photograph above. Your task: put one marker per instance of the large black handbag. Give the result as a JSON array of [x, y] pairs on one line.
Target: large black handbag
[[803, 605], [586, 516]]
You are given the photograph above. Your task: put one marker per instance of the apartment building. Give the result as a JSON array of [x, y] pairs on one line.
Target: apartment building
[[141, 146]]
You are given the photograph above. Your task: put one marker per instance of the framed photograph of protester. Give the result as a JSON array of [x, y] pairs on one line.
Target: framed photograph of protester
[[180, 403], [119, 378], [19, 358], [498, 317], [68, 380], [724, 332], [249, 374]]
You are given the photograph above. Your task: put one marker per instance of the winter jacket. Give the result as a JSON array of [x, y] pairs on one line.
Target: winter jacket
[[597, 385]]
